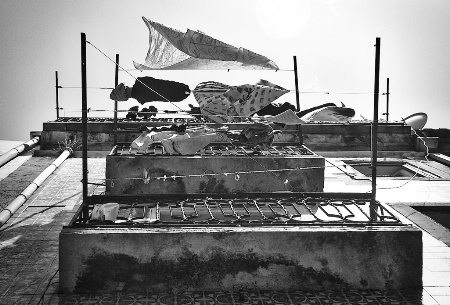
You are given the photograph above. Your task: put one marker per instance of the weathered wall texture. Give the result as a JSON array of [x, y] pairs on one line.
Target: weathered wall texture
[[282, 258], [122, 168], [318, 137]]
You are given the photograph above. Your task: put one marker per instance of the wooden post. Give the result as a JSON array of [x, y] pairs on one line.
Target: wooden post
[[84, 111], [57, 95], [375, 129], [297, 98], [116, 82]]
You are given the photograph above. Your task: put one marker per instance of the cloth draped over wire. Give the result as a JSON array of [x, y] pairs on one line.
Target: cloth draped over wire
[[171, 49], [175, 141], [223, 103]]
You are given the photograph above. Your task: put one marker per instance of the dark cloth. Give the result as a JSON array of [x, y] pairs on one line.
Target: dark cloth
[[302, 113], [257, 134], [170, 90], [273, 109]]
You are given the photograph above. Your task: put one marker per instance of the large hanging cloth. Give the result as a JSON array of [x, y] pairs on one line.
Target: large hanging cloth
[[223, 103], [171, 49]]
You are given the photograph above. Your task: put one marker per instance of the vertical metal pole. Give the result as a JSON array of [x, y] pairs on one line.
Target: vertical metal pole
[[387, 101], [375, 128], [116, 82], [57, 95], [84, 111], [297, 98]]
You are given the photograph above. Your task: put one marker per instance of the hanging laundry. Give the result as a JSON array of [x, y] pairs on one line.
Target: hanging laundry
[[223, 103], [287, 118], [274, 109], [173, 49], [132, 113], [148, 89], [327, 113]]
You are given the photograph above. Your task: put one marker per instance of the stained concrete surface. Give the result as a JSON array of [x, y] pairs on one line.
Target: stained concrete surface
[[29, 250], [237, 258]]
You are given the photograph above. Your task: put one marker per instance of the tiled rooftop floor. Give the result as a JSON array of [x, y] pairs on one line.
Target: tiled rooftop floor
[[29, 252]]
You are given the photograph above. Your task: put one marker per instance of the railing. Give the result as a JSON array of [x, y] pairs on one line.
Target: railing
[[256, 209], [221, 150]]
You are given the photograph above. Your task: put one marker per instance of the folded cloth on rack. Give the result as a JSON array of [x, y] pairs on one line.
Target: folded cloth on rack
[[175, 139], [256, 134], [190, 142], [191, 145], [149, 137], [223, 103]]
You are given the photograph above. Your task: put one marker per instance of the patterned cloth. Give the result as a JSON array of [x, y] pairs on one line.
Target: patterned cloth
[[174, 142], [223, 103], [174, 49]]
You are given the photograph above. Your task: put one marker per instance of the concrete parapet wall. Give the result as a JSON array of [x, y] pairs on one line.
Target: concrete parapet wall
[[264, 258], [127, 174], [326, 137]]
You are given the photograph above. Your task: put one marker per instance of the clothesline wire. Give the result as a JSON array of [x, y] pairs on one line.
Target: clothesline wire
[[221, 174], [290, 90], [259, 163], [133, 75], [205, 174], [228, 70]]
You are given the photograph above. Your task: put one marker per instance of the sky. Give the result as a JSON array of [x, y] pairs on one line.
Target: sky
[[333, 42]]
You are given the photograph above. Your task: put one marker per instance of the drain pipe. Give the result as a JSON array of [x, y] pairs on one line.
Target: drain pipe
[[14, 205], [11, 154]]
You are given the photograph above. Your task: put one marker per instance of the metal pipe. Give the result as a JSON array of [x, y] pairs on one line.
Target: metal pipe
[[116, 82], [84, 111], [297, 98], [375, 127], [387, 101], [11, 154], [14, 205], [57, 95]]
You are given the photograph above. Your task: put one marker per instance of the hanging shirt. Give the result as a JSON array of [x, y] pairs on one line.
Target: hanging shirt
[[149, 89]]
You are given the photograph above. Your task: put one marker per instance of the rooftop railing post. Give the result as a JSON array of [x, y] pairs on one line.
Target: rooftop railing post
[[297, 98], [375, 130], [84, 111], [387, 101], [116, 82], [57, 95]]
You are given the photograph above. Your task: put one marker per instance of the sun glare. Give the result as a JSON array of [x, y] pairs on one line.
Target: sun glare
[[282, 19]]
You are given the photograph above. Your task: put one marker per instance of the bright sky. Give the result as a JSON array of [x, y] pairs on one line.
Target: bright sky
[[332, 40]]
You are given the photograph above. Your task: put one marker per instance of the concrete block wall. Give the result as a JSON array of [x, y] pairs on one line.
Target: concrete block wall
[[233, 258], [121, 168]]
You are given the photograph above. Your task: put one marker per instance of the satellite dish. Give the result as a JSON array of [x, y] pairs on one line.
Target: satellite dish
[[416, 120]]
